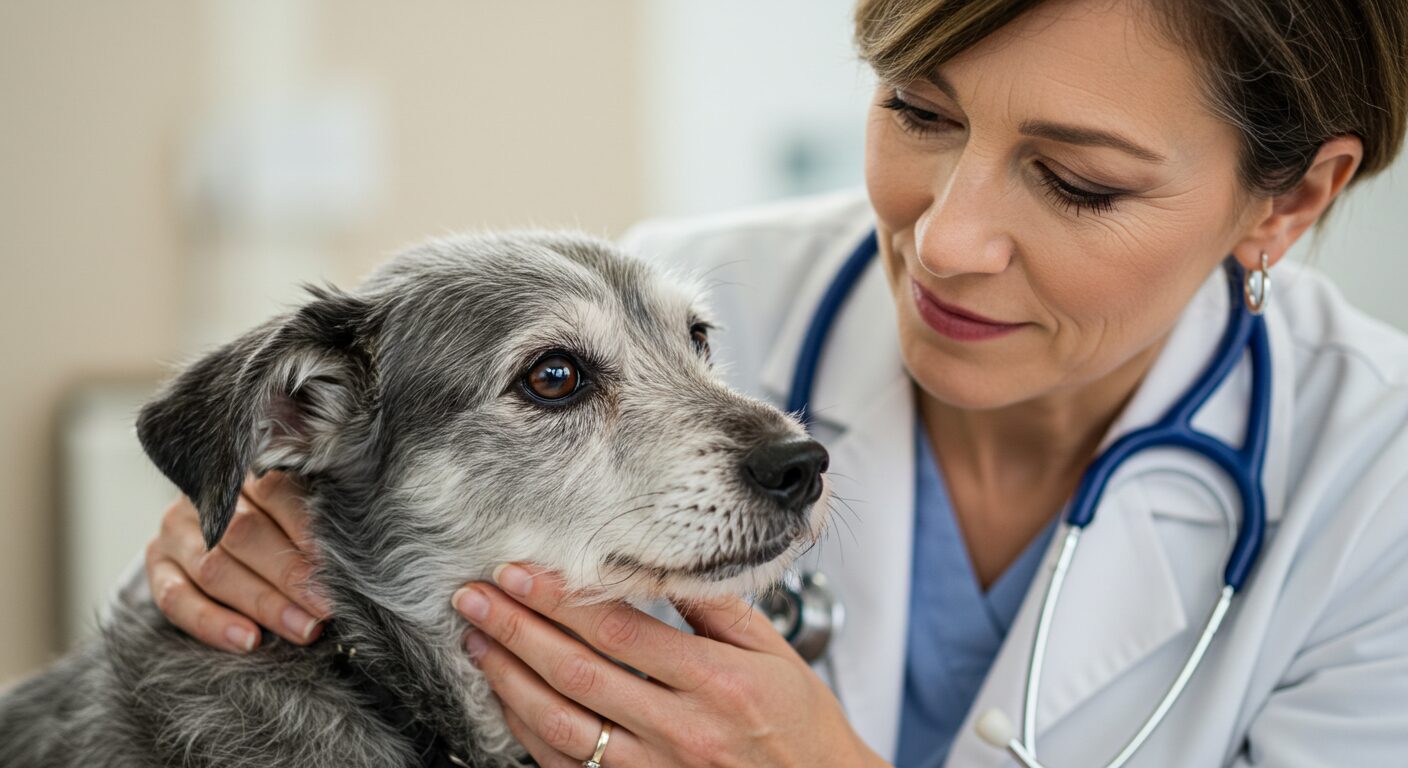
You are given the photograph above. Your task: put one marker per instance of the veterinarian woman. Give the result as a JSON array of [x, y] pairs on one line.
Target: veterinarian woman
[[1054, 187]]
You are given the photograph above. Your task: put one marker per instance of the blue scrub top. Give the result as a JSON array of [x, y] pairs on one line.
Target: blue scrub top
[[955, 628]]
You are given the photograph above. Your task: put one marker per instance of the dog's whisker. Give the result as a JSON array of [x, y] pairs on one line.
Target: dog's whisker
[[836, 514]]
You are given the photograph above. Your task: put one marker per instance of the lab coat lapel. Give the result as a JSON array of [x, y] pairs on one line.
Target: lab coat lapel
[[1119, 604], [868, 556], [863, 410]]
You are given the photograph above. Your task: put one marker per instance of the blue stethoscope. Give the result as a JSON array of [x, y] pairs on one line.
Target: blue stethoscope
[[806, 610]]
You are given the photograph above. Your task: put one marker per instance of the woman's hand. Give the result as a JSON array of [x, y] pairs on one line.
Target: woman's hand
[[734, 694], [259, 572]]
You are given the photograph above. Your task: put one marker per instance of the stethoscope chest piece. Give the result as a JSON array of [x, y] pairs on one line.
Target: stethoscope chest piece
[[804, 609]]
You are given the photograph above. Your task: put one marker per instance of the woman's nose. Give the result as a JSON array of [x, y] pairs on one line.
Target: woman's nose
[[961, 231]]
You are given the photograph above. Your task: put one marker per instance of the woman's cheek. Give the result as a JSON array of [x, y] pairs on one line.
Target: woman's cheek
[[1109, 315], [1091, 305], [898, 197], [1113, 267], [900, 174]]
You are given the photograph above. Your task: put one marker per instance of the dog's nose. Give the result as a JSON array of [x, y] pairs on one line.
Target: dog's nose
[[787, 470]]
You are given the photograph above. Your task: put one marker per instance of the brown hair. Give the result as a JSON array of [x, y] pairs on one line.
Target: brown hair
[[1288, 74]]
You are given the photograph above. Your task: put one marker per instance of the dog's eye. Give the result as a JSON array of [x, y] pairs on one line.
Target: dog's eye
[[699, 334], [554, 377]]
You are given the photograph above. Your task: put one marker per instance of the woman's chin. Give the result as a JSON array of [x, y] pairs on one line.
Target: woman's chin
[[966, 384]]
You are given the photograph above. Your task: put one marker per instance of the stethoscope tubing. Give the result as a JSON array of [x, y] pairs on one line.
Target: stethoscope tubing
[[799, 396], [1245, 331]]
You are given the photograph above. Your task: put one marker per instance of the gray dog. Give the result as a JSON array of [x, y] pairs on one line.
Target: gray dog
[[479, 400]]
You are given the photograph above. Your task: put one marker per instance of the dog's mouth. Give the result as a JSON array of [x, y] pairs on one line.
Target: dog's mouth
[[715, 568]]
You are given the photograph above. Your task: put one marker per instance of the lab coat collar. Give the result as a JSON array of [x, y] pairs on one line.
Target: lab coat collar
[[867, 555]]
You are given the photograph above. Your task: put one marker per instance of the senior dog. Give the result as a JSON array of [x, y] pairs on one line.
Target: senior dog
[[480, 399]]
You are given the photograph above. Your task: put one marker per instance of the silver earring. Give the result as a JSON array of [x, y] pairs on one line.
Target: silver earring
[[1257, 290]]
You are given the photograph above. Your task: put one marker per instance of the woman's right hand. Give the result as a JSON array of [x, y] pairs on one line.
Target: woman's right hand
[[259, 572]]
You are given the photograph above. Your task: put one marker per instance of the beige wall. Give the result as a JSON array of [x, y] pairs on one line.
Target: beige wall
[[503, 114], [93, 93], [494, 114]]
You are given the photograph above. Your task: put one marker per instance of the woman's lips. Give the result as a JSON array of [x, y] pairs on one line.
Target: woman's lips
[[956, 322]]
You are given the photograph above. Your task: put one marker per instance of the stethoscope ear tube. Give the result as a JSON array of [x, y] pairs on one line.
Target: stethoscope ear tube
[[1252, 531], [799, 396]]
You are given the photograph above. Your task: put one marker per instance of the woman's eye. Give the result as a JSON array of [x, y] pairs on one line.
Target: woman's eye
[[554, 377], [913, 118], [1071, 197], [699, 334]]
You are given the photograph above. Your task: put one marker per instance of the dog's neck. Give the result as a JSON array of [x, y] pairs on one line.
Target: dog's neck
[[422, 669], [433, 748]]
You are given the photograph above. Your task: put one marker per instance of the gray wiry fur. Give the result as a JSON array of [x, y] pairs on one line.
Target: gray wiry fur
[[401, 409]]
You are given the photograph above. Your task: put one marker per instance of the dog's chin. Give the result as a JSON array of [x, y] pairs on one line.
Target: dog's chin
[[638, 579], [740, 581], [709, 577]]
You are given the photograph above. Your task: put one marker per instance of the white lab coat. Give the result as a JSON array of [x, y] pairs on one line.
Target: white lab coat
[[1311, 665]]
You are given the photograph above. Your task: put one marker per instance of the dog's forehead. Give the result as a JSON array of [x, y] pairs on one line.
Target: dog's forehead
[[517, 274], [468, 291], [643, 294]]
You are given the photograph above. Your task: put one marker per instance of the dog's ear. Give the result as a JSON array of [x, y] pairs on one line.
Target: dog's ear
[[281, 397]]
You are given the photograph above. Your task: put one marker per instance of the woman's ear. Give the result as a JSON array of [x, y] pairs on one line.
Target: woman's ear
[[1289, 215]]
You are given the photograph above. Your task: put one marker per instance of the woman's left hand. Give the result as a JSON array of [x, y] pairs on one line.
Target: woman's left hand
[[733, 694]]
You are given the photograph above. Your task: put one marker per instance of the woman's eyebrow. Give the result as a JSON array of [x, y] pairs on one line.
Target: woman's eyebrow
[[944, 85], [1067, 134], [1094, 137]]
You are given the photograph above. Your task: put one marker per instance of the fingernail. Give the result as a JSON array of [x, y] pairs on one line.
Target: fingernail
[[513, 578], [240, 638], [475, 644], [473, 604], [298, 623], [318, 603]]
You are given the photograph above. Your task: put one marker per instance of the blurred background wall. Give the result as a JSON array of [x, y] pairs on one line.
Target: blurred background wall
[[171, 171]]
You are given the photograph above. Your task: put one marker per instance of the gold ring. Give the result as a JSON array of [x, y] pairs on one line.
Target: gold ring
[[595, 760]]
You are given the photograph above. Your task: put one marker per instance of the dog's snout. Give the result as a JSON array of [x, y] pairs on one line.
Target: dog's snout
[[787, 470]]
